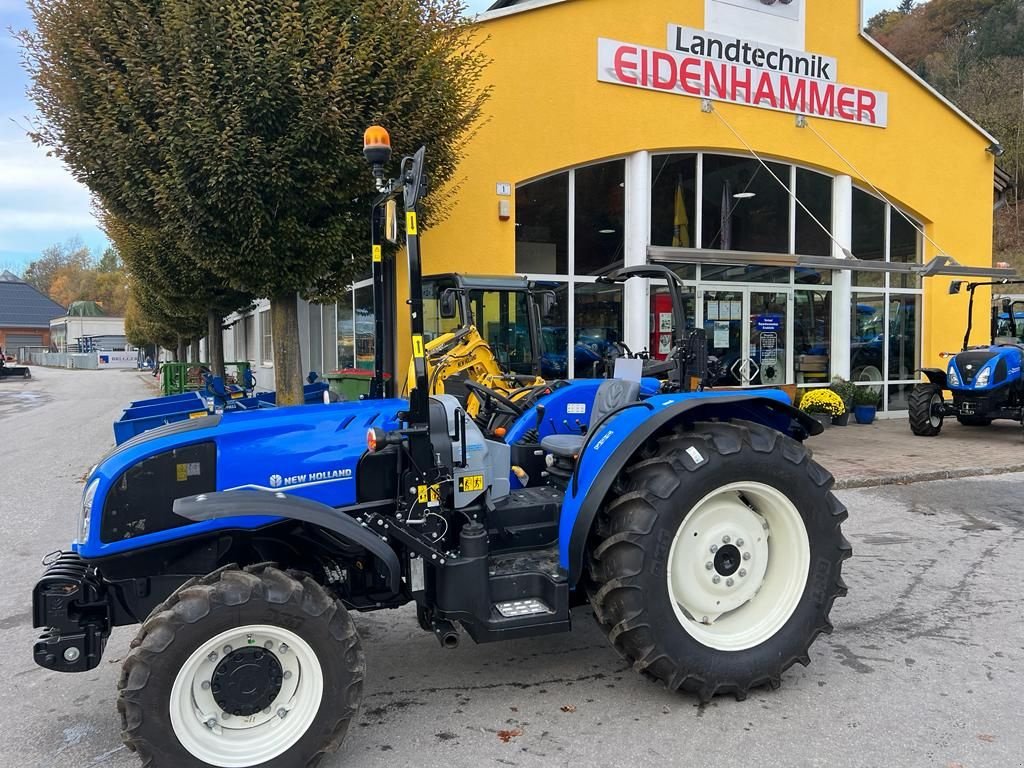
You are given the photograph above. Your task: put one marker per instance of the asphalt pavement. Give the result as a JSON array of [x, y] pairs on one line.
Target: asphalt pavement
[[924, 667]]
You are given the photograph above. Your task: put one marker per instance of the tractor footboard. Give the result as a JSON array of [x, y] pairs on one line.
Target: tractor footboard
[[71, 603]]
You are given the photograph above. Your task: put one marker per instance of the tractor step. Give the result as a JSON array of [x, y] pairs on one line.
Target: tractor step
[[522, 594]]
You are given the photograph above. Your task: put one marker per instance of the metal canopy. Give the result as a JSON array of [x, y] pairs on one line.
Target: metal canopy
[[937, 267]]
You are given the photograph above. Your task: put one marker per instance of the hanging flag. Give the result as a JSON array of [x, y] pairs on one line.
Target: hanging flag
[[726, 243], [680, 221]]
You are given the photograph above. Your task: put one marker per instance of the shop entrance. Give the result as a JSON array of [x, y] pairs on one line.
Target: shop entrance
[[748, 331]]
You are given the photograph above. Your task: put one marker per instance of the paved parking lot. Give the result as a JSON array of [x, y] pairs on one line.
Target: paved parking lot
[[924, 668]]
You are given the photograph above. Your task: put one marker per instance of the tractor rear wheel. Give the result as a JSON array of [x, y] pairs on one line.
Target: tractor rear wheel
[[253, 667], [924, 408], [716, 565]]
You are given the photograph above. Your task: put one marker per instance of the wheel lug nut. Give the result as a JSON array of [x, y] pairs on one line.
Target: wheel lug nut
[[269, 644], [709, 565], [746, 555], [729, 582], [283, 648], [266, 711], [212, 656], [206, 685], [714, 548], [288, 674], [282, 713], [227, 649], [716, 579], [211, 722], [225, 716], [743, 572], [739, 542], [726, 539]]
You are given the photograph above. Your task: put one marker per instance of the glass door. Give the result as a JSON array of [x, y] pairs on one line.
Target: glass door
[[748, 334]]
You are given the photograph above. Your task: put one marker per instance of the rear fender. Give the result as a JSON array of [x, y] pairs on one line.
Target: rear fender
[[340, 521], [610, 449], [936, 376]]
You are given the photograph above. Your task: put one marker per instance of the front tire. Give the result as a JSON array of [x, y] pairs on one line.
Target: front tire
[[924, 409], [666, 563], [241, 668]]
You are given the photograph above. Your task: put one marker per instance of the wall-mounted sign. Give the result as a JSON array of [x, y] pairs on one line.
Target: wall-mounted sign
[[720, 79], [776, 58]]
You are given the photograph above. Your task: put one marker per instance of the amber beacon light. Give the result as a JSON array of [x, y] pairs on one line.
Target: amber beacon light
[[377, 150]]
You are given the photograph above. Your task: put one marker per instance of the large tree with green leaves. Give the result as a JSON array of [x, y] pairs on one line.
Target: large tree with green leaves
[[235, 127]]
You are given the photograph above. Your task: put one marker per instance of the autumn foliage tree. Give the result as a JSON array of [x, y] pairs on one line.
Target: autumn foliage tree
[[235, 127]]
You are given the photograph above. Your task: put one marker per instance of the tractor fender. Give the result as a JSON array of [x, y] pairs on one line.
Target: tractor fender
[[609, 450], [340, 521], [936, 376]]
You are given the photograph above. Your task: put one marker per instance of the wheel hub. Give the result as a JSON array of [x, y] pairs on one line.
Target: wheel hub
[[727, 560], [247, 681]]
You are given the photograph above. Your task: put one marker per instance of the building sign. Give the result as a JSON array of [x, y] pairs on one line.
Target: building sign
[[728, 78], [774, 58], [117, 359]]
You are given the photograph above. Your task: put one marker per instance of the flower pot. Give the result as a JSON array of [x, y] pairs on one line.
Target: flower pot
[[822, 418], [865, 414], [841, 421]]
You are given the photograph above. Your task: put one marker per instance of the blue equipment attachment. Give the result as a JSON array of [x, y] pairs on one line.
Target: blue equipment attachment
[[695, 524]]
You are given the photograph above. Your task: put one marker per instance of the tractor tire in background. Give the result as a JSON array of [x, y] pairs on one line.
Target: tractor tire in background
[[974, 421], [715, 563], [253, 667], [921, 403]]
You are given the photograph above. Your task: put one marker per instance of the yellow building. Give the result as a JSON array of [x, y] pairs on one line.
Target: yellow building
[[748, 143]]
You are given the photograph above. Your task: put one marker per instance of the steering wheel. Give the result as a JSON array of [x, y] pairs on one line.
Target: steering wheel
[[501, 403]]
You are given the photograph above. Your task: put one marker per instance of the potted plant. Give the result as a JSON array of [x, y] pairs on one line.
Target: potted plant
[[822, 405], [865, 405], [846, 391]]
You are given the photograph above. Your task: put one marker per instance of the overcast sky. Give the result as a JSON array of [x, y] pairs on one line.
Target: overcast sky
[[40, 204]]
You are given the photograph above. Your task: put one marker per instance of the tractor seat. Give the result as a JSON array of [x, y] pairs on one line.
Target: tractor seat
[[610, 395]]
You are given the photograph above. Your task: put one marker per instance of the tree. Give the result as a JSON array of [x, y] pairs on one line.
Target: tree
[[43, 271], [235, 127]]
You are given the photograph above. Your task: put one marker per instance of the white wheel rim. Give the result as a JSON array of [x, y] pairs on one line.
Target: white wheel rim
[[743, 528], [870, 373], [236, 741], [933, 418]]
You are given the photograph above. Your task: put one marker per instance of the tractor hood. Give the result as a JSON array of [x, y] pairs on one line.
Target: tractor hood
[[984, 368], [310, 451]]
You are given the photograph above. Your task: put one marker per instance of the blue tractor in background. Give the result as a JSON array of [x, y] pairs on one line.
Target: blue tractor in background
[[695, 525], [986, 381]]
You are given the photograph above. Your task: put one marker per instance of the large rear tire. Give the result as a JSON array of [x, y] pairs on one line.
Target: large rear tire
[[241, 668], [924, 409], [716, 565]]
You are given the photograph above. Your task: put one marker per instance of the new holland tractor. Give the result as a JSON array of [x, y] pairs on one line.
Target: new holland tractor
[[986, 382], [696, 526]]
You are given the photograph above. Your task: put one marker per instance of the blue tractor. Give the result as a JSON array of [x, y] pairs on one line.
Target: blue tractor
[[695, 525], [986, 381]]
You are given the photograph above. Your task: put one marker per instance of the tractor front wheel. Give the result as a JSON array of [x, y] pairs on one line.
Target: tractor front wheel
[[925, 409], [716, 567], [253, 667]]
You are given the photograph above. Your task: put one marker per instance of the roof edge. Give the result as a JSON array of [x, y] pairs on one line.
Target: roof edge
[[497, 10]]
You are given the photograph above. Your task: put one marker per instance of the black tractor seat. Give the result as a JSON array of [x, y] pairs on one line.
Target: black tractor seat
[[610, 395]]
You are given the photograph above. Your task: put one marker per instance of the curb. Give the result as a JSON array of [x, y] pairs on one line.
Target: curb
[[923, 477]]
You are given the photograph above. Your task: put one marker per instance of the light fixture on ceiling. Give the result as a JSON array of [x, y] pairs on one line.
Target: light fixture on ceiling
[[744, 195], [606, 231]]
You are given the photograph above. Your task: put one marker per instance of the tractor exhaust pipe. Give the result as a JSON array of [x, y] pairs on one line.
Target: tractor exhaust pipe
[[447, 633]]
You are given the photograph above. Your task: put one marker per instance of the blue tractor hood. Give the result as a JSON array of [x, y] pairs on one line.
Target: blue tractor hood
[[310, 451], [984, 368]]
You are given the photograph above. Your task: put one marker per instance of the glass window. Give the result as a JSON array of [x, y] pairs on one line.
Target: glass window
[[433, 324], [554, 334], [867, 337], [744, 208], [814, 190], [346, 333], [600, 217], [598, 324], [330, 346], [660, 344], [316, 350], [542, 226], [904, 248], [250, 337], [502, 319], [746, 274], [267, 345], [364, 327], [904, 336], [812, 336], [868, 236], [673, 201]]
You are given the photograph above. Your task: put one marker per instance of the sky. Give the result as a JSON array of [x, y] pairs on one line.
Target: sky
[[40, 203]]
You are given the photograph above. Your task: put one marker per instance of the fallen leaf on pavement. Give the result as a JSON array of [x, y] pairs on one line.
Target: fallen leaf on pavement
[[507, 736]]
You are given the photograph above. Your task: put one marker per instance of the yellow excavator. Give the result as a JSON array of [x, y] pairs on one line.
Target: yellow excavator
[[483, 344]]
